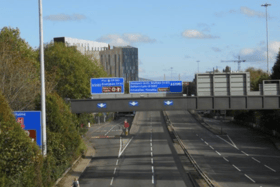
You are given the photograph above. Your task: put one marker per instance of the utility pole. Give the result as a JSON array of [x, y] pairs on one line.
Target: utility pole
[[238, 61], [43, 94], [197, 66], [164, 77], [171, 72], [266, 5], [179, 76]]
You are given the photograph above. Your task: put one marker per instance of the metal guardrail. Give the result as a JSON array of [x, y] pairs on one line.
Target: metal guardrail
[[198, 169]]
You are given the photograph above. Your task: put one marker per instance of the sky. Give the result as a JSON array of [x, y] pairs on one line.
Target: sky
[[174, 38]]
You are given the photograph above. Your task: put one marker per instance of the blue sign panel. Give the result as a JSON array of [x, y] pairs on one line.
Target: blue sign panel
[[155, 87], [107, 85], [30, 121], [101, 105], [168, 103], [133, 103]]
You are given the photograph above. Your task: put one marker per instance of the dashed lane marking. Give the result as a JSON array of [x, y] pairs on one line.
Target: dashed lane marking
[[218, 153], [211, 147], [249, 178], [236, 167], [112, 181], [225, 159], [270, 168], [244, 153], [256, 160]]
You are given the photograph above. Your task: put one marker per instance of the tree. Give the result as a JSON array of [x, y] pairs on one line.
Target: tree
[[71, 70], [256, 77], [20, 158], [276, 68], [18, 70], [227, 69]]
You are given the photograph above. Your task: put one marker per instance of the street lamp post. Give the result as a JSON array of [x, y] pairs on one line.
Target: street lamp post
[[266, 5], [43, 94], [198, 66], [171, 72]]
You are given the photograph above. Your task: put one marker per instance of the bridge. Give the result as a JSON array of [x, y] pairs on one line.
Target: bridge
[[215, 91]]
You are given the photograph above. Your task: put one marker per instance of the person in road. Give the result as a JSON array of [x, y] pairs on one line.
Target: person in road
[[75, 183]]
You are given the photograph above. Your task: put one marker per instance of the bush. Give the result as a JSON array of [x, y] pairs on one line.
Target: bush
[[64, 143], [20, 158]]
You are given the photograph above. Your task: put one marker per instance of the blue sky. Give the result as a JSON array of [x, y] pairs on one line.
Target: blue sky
[[168, 34]]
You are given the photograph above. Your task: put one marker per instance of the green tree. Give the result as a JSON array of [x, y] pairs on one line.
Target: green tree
[[227, 69], [18, 70], [256, 77], [276, 68], [72, 70], [20, 158]]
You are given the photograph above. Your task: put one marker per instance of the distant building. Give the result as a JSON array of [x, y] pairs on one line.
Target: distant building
[[121, 62], [86, 47]]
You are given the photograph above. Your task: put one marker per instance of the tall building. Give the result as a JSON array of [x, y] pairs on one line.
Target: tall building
[[121, 62], [86, 47]]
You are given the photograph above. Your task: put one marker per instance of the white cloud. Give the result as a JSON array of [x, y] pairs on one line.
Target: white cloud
[[243, 10], [197, 34], [64, 17], [251, 13], [126, 39], [258, 54]]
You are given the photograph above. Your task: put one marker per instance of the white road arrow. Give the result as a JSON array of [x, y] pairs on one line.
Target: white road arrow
[[168, 102], [133, 103], [101, 105]]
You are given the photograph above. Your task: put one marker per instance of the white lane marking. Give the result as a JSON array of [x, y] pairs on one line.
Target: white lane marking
[[153, 181], [236, 167], [110, 130], [206, 143], [153, 169], [201, 139], [256, 160], [112, 181], [117, 162], [227, 142], [152, 160], [120, 145], [244, 153], [231, 141], [225, 159], [151, 140], [151, 144], [151, 148], [270, 168], [211, 147], [151, 154], [125, 147], [249, 178], [115, 171], [218, 153]]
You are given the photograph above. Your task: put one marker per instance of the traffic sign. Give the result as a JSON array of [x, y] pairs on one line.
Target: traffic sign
[[30, 121], [101, 105], [133, 103], [107, 85], [168, 103], [155, 87]]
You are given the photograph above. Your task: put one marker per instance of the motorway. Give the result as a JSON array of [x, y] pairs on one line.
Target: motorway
[[243, 157], [146, 158]]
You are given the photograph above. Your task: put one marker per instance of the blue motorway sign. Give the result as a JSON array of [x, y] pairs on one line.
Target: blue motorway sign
[[107, 85], [30, 121], [155, 87]]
